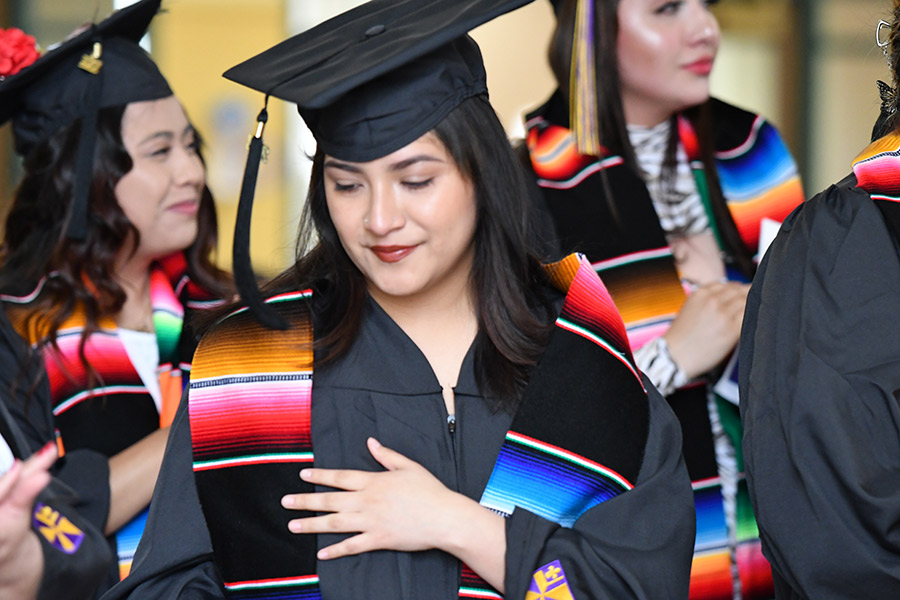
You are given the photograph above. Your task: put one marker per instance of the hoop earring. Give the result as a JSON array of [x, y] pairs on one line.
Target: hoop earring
[[883, 44]]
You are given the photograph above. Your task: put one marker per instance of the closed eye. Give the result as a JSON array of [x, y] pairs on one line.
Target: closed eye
[[161, 152], [345, 187], [418, 185], [669, 8]]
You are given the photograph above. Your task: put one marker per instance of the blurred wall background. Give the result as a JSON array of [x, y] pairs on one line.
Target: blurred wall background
[[809, 65]]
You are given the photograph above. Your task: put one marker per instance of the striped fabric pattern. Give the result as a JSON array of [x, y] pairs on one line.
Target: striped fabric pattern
[[543, 478], [473, 586], [759, 179], [250, 402], [548, 481], [127, 539], [262, 414], [647, 290], [286, 588], [876, 167], [250, 406], [557, 161], [119, 382], [711, 567]]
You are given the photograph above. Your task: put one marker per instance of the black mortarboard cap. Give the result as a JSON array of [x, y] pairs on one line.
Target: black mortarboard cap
[[367, 82], [100, 67]]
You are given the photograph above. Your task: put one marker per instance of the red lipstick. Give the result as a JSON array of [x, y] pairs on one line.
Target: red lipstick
[[392, 254], [701, 67]]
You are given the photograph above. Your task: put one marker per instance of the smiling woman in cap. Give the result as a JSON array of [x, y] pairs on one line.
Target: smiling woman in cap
[[432, 413], [107, 244], [667, 191]]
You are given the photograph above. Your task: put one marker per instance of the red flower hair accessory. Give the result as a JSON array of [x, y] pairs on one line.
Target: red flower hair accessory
[[17, 51]]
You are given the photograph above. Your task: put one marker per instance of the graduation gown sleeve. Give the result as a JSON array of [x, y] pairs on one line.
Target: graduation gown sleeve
[[85, 471], [76, 556], [67, 573], [636, 545], [174, 558], [820, 371]]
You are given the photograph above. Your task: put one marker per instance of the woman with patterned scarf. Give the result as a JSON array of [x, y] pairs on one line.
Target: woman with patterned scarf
[[666, 191], [820, 359], [107, 250], [427, 412]]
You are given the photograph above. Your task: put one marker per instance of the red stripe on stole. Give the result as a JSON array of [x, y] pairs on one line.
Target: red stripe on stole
[[67, 374], [589, 303], [228, 422], [877, 174], [553, 153], [754, 571]]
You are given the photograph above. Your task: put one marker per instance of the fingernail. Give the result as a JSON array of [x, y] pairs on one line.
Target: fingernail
[[287, 501], [375, 443], [322, 554], [295, 526], [305, 474], [47, 448]]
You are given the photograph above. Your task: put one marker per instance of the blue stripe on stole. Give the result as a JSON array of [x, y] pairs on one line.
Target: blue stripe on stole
[[549, 487], [128, 536], [767, 164], [712, 532]]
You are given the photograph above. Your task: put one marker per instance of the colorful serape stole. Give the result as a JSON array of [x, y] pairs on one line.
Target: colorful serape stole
[[118, 401], [876, 170], [758, 177], [629, 250], [550, 464], [250, 406]]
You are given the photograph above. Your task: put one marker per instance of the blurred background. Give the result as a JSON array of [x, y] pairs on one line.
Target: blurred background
[[810, 66]]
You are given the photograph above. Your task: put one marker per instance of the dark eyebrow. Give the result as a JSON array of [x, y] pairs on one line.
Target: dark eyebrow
[[399, 166], [333, 164], [167, 135], [413, 160]]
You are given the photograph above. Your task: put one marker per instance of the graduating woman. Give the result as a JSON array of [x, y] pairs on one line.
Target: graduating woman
[[666, 191], [820, 356], [432, 414], [107, 239]]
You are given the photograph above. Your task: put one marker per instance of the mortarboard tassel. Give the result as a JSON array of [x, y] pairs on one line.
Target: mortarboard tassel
[[583, 82], [84, 165], [243, 269]]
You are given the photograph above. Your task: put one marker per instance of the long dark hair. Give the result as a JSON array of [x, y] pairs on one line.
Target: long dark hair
[[510, 293], [889, 119], [35, 244], [612, 125]]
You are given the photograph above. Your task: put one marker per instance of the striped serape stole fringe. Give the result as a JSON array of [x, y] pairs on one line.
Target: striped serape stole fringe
[[473, 586], [250, 408], [756, 171], [875, 169], [578, 437]]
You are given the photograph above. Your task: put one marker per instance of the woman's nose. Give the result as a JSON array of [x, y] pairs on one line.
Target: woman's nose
[[384, 213]]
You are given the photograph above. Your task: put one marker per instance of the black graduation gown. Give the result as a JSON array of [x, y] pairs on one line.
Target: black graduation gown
[[637, 545], [820, 374], [74, 575]]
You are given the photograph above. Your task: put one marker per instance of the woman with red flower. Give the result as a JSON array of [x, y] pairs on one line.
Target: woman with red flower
[[106, 253]]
